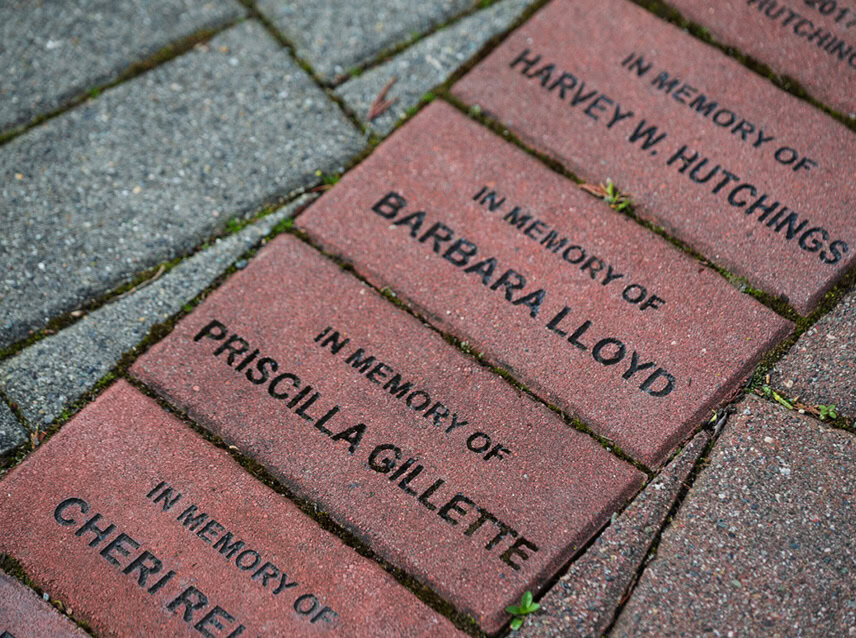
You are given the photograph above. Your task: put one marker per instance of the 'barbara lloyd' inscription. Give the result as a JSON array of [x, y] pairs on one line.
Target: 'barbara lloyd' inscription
[[512, 285]]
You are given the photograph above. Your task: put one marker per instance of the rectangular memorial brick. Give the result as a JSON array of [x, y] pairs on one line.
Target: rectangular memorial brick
[[812, 41], [145, 529], [587, 308], [440, 466], [24, 614], [757, 180]]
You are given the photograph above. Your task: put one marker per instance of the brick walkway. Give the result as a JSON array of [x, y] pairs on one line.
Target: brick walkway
[[379, 318]]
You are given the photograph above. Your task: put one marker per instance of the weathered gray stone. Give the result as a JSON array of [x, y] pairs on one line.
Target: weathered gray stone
[[54, 372], [821, 367], [584, 601], [335, 35], [426, 64], [154, 166], [12, 433], [52, 51], [765, 543]]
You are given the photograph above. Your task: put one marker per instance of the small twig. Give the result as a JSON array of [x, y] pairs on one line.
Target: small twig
[[595, 189], [144, 283], [381, 104]]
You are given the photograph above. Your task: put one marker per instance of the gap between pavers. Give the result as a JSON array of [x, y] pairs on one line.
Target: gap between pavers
[[426, 64], [54, 52], [821, 366], [23, 614], [584, 601], [12, 433], [335, 35], [54, 372], [155, 165], [763, 545]]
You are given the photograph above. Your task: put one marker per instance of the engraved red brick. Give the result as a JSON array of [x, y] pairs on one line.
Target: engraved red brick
[[23, 614], [755, 179], [440, 466], [145, 529], [813, 41], [600, 317]]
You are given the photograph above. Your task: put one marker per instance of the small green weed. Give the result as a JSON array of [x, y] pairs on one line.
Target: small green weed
[[608, 193], [526, 607], [767, 391], [827, 411]]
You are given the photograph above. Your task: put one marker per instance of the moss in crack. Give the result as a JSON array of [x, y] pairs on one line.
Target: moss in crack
[[789, 84], [14, 569], [351, 536]]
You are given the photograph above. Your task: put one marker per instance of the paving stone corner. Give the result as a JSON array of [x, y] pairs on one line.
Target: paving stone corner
[[425, 65], [763, 543], [820, 368], [333, 36], [53, 373], [23, 614], [12, 434], [584, 601], [154, 166]]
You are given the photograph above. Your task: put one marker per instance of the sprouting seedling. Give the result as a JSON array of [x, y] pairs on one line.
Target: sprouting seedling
[[827, 412], [766, 391], [608, 193], [526, 607]]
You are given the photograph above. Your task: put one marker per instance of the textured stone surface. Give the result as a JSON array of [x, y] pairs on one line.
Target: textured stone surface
[[12, 433], [764, 543], [426, 64], [56, 371], [691, 324], [812, 41], [23, 613], [821, 366], [336, 35], [277, 580], [554, 487], [709, 108], [54, 51], [584, 601], [152, 167]]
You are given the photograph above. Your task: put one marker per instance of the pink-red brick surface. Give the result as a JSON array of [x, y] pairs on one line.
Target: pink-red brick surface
[[618, 303], [90, 519], [23, 614], [753, 178], [483, 476], [813, 41]]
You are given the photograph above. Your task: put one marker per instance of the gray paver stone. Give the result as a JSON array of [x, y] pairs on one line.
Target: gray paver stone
[[12, 433], [54, 372], [52, 51], [426, 64], [821, 367], [584, 601], [765, 543], [154, 166], [335, 35]]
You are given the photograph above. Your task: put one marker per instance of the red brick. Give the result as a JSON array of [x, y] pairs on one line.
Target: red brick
[[704, 333], [554, 488], [591, 40], [112, 457], [813, 41], [23, 614]]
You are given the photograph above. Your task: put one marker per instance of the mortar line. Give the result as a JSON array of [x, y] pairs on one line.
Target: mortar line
[[308, 507], [779, 307], [789, 85], [164, 55], [142, 278], [686, 485]]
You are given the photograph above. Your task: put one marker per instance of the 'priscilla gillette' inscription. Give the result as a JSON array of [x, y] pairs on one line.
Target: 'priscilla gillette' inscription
[[402, 467]]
